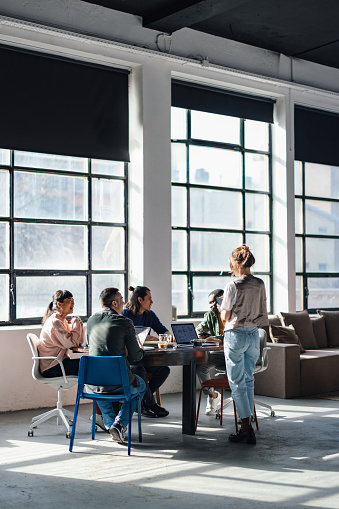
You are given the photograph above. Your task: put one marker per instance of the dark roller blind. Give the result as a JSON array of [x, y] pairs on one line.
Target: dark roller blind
[[62, 106], [212, 100], [316, 135]]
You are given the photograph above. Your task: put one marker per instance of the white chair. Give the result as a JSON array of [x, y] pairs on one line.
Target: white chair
[[60, 383]]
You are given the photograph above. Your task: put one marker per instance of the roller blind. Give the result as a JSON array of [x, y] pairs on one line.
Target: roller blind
[[316, 135], [63, 106], [212, 100]]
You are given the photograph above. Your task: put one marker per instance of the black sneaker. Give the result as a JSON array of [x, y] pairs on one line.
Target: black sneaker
[[158, 410], [118, 432], [146, 412], [243, 436]]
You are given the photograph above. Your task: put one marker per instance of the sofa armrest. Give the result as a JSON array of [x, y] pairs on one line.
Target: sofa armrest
[[281, 379]]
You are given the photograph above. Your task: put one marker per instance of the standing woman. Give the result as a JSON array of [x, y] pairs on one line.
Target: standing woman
[[57, 336], [244, 309]]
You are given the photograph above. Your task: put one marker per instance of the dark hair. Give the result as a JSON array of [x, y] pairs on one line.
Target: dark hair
[[58, 296], [242, 255], [216, 293], [107, 296], [133, 303]]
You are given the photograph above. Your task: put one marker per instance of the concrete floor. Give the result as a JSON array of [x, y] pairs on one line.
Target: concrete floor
[[294, 464]]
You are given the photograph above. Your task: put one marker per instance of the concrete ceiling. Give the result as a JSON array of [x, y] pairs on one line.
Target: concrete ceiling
[[306, 29]]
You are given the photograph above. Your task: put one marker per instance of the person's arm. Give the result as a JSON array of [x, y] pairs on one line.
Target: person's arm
[[156, 325], [68, 338], [230, 296], [203, 328]]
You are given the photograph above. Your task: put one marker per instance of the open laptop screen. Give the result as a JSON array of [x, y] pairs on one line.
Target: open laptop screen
[[142, 332], [184, 332]]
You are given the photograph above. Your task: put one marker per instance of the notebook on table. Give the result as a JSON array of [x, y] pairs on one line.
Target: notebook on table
[[184, 333]]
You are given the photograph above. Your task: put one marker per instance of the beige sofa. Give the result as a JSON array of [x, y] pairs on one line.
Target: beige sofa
[[292, 372]]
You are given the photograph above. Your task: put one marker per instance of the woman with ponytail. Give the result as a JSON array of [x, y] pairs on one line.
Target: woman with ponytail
[[244, 310], [138, 309], [57, 336]]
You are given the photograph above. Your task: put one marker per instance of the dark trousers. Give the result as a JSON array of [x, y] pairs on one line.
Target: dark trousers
[[159, 375], [71, 368]]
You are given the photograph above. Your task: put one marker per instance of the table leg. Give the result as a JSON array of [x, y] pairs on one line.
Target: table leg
[[188, 399]]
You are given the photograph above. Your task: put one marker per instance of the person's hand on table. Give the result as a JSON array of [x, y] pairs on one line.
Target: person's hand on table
[[203, 335], [151, 338], [170, 338]]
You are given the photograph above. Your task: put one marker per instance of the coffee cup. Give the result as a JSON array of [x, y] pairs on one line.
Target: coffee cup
[[196, 342]]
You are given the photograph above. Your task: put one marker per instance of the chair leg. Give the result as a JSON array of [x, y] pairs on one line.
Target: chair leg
[[260, 403], [129, 426], [235, 416], [93, 418], [197, 417], [75, 416], [139, 419], [255, 418]]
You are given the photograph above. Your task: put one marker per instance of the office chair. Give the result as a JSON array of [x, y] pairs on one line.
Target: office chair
[[105, 371], [61, 383]]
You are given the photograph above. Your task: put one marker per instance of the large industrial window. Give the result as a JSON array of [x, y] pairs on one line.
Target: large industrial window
[[62, 226], [317, 236], [221, 198]]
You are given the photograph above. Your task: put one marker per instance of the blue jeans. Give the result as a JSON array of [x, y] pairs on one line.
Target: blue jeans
[[107, 410], [241, 347]]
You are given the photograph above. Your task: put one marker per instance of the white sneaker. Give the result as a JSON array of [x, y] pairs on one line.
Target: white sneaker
[[212, 404], [99, 422]]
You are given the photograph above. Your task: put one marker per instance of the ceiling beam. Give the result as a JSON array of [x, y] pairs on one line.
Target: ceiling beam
[[185, 13]]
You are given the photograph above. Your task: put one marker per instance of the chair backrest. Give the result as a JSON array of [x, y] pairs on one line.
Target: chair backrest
[[103, 371], [33, 341], [262, 361]]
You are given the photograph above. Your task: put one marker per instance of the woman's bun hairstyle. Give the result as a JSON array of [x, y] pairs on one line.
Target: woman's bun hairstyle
[[131, 288], [243, 255]]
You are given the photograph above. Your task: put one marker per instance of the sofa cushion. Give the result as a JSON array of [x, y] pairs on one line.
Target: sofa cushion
[[281, 334], [319, 330], [274, 320], [332, 326], [302, 324]]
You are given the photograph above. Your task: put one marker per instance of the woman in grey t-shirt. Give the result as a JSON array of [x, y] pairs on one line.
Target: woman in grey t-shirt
[[244, 309]]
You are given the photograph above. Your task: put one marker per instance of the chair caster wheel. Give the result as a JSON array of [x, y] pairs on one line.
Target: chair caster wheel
[[252, 418], [272, 413], [30, 433], [68, 435], [217, 415]]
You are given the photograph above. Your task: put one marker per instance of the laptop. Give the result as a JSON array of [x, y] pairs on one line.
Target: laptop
[[184, 333], [142, 332]]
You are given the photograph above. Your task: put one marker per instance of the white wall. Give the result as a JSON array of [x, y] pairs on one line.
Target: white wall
[[118, 39]]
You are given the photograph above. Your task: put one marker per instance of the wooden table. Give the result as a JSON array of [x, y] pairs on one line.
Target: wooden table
[[187, 357]]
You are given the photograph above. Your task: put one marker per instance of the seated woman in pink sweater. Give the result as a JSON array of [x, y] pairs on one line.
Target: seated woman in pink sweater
[[57, 336]]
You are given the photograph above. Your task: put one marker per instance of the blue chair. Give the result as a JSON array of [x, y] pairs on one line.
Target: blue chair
[[106, 371]]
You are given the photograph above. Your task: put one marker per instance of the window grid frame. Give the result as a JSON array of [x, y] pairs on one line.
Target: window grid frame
[[87, 223], [189, 273], [304, 273]]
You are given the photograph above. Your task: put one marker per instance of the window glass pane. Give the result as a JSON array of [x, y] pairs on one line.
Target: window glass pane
[[322, 255], [298, 216], [260, 246], [215, 209], [101, 281], [256, 172], [33, 294], [179, 250], [50, 246], [257, 212], [4, 298], [322, 217], [323, 292], [178, 123], [178, 154], [50, 161], [212, 127], [45, 196], [210, 250], [5, 156], [215, 167], [112, 168], [4, 246], [108, 248], [298, 177], [321, 180], [4, 192], [108, 199], [179, 294], [256, 135], [179, 206], [299, 293], [298, 254], [202, 287]]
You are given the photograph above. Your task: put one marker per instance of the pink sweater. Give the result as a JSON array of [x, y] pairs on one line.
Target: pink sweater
[[56, 337]]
